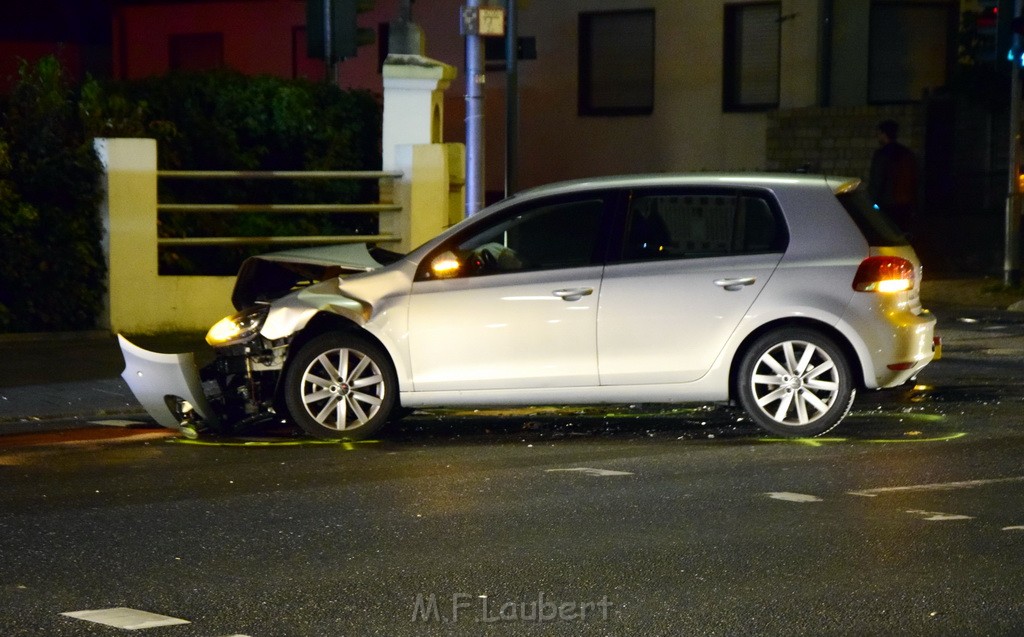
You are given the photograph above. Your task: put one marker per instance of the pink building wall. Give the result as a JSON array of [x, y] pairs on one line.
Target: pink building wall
[[259, 37]]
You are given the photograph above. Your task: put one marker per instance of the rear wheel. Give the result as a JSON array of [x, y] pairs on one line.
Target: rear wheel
[[795, 382], [340, 385]]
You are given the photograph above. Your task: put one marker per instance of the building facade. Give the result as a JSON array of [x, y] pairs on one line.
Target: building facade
[[614, 85]]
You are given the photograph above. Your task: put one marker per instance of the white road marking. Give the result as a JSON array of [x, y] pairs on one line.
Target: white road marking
[[1013, 528], [937, 486], [126, 618], [116, 423], [793, 497], [600, 473], [934, 516]]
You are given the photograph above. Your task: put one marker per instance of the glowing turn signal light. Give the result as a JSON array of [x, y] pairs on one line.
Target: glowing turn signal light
[[445, 265], [884, 274]]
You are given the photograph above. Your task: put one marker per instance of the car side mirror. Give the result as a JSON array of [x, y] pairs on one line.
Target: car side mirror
[[445, 265]]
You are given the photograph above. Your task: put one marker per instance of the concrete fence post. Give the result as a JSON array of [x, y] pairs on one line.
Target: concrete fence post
[[139, 300], [129, 222]]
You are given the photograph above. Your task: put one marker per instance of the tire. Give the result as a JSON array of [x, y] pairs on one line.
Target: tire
[[795, 382], [340, 385]]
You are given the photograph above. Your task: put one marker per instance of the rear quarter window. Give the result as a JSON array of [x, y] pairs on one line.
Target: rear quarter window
[[875, 225]]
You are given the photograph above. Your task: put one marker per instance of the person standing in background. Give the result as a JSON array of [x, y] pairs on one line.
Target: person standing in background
[[893, 179]]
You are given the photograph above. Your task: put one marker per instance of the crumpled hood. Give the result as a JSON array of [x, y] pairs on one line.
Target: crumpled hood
[[271, 276]]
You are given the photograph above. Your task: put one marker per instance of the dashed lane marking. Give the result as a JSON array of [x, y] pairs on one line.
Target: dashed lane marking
[[936, 516], [934, 486], [126, 618], [788, 496], [600, 473]]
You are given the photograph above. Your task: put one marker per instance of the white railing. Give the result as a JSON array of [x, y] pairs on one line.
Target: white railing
[[228, 208], [419, 199]]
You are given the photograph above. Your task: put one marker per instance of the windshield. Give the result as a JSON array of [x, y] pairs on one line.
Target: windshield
[[877, 228]]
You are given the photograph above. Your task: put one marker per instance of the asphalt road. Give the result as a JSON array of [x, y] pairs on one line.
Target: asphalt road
[[908, 519]]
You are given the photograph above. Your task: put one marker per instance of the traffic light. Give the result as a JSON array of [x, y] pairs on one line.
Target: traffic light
[[1016, 53], [332, 31]]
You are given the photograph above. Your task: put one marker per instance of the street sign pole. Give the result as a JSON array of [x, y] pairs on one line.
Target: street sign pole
[[1011, 251], [475, 78], [511, 98]]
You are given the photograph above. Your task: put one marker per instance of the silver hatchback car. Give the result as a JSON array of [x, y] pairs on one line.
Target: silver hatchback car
[[783, 294]]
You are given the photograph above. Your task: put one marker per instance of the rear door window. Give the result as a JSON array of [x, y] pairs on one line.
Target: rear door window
[[694, 223]]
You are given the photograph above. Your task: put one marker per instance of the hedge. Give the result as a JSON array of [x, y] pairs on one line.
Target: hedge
[[52, 273]]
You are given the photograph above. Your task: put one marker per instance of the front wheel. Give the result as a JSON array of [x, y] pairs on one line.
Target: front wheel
[[340, 385], [795, 382]]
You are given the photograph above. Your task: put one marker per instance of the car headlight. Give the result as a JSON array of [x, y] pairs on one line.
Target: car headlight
[[237, 328]]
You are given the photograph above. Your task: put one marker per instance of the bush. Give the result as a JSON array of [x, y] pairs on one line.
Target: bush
[[53, 273], [223, 120]]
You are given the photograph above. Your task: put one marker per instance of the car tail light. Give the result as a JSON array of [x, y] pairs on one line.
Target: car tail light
[[884, 274]]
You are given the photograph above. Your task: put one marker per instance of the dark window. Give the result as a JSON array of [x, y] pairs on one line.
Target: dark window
[[196, 51], [548, 235], [877, 228], [616, 63], [751, 57], [711, 224], [912, 48], [561, 235]]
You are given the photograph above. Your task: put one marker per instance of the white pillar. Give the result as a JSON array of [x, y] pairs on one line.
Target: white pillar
[[413, 102], [129, 218]]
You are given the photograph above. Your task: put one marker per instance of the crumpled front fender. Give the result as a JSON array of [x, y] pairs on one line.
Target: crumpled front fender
[[158, 379], [291, 313]]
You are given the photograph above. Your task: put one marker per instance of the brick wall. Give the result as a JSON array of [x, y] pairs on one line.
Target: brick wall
[[838, 140]]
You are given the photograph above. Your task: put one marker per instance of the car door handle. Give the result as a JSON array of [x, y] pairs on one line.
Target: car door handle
[[735, 284], [573, 294]]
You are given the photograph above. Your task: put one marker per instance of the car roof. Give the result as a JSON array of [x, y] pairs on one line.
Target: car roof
[[771, 181]]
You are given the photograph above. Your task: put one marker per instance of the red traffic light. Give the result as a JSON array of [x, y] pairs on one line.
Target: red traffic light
[[988, 18]]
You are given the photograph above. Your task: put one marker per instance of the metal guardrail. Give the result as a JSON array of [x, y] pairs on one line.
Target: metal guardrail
[[277, 208]]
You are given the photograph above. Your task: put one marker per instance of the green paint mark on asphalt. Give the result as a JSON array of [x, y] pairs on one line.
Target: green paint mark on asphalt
[[939, 439], [347, 445], [900, 415], [818, 442], [810, 442]]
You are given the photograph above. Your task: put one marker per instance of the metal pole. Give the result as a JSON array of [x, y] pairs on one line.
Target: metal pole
[[475, 78], [1011, 260], [511, 99], [329, 70]]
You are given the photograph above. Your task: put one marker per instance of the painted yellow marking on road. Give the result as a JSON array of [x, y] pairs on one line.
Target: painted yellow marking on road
[[939, 439], [909, 415], [818, 442], [810, 442], [347, 445]]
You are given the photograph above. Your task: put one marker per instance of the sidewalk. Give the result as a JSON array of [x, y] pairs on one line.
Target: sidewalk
[[53, 379]]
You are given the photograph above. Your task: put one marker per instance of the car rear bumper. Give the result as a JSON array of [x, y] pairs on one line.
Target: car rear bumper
[[911, 346]]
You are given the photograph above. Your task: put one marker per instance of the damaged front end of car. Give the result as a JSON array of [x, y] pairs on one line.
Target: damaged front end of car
[[240, 387], [235, 390]]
